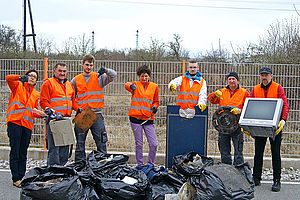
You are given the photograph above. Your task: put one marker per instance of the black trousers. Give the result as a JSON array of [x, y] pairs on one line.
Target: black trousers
[[260, 143]]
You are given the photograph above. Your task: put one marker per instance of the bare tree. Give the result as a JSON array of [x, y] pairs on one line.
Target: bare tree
[[176, 50], [280, 43]]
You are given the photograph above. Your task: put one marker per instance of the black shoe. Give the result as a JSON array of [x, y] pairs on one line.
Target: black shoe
[[276, 185], [256, 182]]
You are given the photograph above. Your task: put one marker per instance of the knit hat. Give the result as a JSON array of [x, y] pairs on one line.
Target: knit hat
[[234, 74]]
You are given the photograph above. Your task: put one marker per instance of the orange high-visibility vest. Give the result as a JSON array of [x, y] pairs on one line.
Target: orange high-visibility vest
[[61, 99], [272, 91], [188, 96], [89, 94], [20, 106], [237, 99], [142, 100]]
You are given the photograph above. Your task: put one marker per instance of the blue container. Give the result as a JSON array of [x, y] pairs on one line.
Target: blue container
[[184, 136]]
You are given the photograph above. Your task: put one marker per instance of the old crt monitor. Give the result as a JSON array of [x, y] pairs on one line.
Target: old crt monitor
[[260, 116]]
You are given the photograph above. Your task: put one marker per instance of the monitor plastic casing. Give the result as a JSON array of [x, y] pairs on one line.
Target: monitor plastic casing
[[260, 116]]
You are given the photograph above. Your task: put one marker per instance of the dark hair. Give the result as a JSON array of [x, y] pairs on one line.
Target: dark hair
[[193, 61], [61, 64], [88, 58], [143, 69], [32, 70]]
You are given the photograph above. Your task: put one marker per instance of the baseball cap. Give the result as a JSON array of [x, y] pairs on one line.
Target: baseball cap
[[265, 70]]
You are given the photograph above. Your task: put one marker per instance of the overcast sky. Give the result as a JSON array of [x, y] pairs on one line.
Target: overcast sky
[[200, 23]]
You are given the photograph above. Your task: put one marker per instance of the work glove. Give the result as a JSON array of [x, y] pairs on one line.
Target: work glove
[[202, 107], [23, 79], [101, 71], [218, 93], [173, 88], [59, 116], [49, 111], [246, 132], [280, 126], [133, 88], [235, 111], [79, 110], [154, 109]]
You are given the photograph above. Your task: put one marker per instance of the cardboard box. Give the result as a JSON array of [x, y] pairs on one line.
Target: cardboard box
[[85, 119]]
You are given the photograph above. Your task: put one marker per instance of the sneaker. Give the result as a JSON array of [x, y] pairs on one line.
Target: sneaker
[[256, 182], [276, 185]]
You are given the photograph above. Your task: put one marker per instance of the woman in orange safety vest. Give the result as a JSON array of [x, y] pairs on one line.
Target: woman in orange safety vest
[[144, 104], [22, 109]]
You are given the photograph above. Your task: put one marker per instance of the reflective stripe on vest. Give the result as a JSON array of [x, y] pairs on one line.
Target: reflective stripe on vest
[[61, 96], [90, 94], [142, 100], [188, 96]]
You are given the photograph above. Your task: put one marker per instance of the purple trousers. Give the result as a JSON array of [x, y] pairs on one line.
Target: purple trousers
[[152, 142]]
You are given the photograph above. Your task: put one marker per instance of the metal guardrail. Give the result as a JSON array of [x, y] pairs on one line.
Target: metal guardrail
[[117, 99]]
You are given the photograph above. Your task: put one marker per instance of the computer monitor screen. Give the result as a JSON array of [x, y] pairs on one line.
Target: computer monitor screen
[[260, 116], [257, 109]]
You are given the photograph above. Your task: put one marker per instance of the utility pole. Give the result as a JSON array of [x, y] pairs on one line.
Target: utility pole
[[93, 42], [32, 27], [137, 40]]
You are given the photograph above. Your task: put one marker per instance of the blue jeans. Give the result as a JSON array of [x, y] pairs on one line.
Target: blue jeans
[[57, 155], [99, 135], [19, 139], [225, 147]]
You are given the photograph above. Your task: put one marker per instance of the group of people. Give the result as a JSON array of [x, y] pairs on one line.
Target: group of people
[[59, 97]]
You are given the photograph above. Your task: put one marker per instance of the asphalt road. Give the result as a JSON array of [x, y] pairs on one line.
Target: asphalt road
[[288, 190]]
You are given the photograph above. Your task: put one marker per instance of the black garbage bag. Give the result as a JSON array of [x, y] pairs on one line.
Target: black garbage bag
[[101, 163], [114, 179], [123, 182], [84, 176], [220, 182], [50, 183], [190, 164], [164, 183]]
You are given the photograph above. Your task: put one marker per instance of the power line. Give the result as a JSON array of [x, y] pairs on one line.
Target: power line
[[201, 6]]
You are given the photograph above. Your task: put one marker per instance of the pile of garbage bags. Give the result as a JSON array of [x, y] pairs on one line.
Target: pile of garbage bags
[[108, 177]]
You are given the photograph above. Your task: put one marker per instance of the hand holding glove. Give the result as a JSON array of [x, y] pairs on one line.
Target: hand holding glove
[[133, 88], [218, 94], [23, 79], [247, 132], [173, 88], [202, 107], [101, 71], [154, 109], [59, 116], [235, 111], [280, 126]]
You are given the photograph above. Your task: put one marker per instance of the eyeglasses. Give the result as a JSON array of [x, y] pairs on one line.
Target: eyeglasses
[[32, 76]]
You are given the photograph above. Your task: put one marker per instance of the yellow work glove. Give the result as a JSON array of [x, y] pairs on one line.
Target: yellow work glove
[[202, 107], [218, 93], [280, 126], [248, 133], [236, 111], [173, 88]]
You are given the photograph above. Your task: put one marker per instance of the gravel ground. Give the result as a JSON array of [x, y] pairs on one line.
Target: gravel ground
[[289, 174]]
